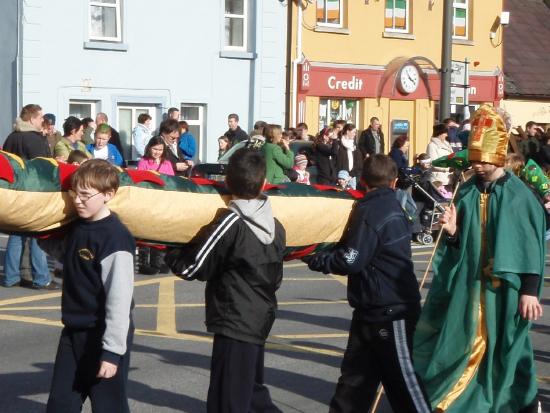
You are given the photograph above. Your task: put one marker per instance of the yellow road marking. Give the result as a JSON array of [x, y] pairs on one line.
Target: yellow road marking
[[303, 349], [310, 336], [341, 279], [298, 264], [185, 305], [31, 320], [166, 312], [29, 298]]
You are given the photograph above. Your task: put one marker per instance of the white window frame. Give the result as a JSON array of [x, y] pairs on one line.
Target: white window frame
[[201, 123], [244, 17], [407, 14], [152, 110], [338, 25], [117, 6], [91, 103], [465, 6]]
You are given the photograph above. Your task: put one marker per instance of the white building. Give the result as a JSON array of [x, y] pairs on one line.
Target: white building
[[125, 57]]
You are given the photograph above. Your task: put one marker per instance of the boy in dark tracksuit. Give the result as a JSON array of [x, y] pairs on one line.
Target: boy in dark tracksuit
[[98, 264], [240, 255], [375, 253]]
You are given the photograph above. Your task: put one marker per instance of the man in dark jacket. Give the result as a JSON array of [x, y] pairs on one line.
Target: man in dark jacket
[[169, 132], [27, 142], [371, 140], [375, 254], [235, 133], [240, 255]]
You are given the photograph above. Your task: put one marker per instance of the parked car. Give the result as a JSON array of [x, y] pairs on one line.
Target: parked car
[[217, 171]]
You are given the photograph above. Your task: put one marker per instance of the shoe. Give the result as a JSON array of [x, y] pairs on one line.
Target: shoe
[[17, 284], [58, 272], [25, 283], [147, 270], [52, 285]]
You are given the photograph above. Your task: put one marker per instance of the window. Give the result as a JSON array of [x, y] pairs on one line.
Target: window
[[334, 109], [235, 17], [460, 19], [105, 22], [330, 13], [127, 121], [397, 16], [194, 115], [82, 108]]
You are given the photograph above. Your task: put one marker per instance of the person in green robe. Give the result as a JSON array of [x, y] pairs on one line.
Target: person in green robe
[[472, 347]]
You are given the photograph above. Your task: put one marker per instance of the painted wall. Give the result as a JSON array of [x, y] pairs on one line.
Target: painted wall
[[366, 44], [364, 49], [173, 55], [523, 111], [8, 67]]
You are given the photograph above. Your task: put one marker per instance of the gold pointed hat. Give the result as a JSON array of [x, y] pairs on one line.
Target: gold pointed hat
[[488, 140]]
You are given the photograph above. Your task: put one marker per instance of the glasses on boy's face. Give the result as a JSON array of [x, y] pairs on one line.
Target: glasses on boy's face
[[83, 198]]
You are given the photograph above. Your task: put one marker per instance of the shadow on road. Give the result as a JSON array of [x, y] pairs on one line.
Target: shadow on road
[[317, 389]]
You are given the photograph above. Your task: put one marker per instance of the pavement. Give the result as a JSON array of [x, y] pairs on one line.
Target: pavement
[[171, 352]]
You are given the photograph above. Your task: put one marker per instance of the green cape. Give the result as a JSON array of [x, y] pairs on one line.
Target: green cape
[[506, 380]]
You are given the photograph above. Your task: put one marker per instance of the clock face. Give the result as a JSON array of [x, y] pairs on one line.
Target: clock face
[[409, 79]]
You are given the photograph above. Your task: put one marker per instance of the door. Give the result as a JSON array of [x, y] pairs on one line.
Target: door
[[127, 121]]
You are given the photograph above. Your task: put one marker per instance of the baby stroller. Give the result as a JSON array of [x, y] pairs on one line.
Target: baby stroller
[[430, 204]]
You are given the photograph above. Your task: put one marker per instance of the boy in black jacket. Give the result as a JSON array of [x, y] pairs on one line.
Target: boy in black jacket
[[240, 255], [375, 253], [96, 305]]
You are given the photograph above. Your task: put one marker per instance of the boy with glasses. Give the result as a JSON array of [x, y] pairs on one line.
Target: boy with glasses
[[98, 260]]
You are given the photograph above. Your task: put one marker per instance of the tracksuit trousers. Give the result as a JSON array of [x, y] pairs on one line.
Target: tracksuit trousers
[[74, 377], [237, 378], [379, 353]]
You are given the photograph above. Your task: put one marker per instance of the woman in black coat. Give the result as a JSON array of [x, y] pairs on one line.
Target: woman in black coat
[[325, 150], [349, 158]]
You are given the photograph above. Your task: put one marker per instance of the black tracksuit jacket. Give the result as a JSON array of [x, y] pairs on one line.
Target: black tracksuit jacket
[[375, 253], [242, 276]]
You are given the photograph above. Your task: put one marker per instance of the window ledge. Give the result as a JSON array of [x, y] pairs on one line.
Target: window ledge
[[337, 30], [397, 35], [235, 54], [117, 47], [463, 42]]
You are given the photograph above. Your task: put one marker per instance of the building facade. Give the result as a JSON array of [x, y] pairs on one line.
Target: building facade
[[354, 60], [122, 57], [526, 62]]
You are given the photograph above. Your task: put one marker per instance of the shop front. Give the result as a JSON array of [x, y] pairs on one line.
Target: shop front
[[403, 95]]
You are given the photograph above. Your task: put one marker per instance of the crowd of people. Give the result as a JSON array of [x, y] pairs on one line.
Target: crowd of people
[[467, 349]]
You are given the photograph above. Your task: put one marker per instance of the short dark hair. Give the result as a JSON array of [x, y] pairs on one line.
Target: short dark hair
[[86, 122], [246, 173], [233, 116], [446, 121], [373, 119], [172, 110], [259, 126], [77, 156], [529, 124], [50, 118], [183, 125], [339, 122], [302, 125], [29, 111], [98, 174], [70, 124], [144, 117], [439, 129], [379, 171], [168, 126]]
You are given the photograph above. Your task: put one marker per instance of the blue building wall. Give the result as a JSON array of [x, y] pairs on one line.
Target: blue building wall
[[8, 66], [171, 53]]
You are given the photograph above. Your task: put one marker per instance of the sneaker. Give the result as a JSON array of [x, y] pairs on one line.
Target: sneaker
[[52, 285]]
